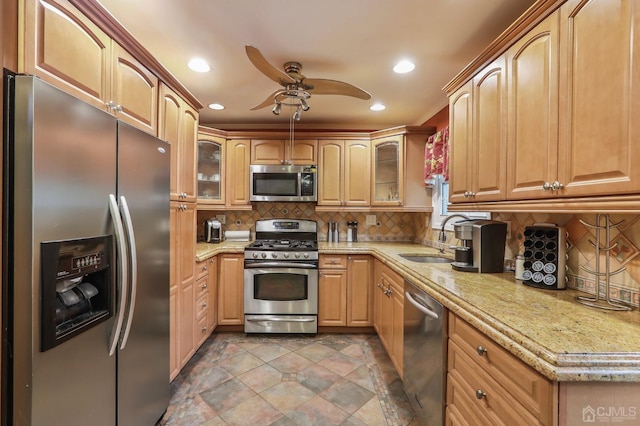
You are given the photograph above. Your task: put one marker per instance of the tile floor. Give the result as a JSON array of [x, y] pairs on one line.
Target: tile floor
[[282, 380]]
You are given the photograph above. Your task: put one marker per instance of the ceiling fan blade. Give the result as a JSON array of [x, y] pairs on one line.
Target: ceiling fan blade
[[267, 102], [266, 68], [323, 86]]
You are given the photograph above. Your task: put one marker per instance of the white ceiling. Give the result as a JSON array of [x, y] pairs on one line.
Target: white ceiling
[[356, 41]]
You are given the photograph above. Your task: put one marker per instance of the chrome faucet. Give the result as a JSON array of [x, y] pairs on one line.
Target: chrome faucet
[[443, 237]]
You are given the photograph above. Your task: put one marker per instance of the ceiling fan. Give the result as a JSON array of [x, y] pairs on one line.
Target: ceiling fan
[[296, 88]]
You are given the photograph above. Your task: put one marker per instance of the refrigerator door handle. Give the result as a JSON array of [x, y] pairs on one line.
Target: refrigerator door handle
[[122, 276], [131, 240]]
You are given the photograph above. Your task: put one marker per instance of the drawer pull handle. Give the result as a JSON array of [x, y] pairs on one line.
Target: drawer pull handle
[[481, 351], [481, 394]]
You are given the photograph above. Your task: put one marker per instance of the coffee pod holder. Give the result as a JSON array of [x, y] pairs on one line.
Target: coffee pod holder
[[603, 224], [544, 256]]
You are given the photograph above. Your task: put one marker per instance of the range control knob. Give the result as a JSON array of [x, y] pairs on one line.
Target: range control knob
[[306, 255], [297, 255], [264, 255], [255, 255], [274, 255], [286, 255]]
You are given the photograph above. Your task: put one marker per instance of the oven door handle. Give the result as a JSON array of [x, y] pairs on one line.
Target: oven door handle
[[280, 265], [281, 319]]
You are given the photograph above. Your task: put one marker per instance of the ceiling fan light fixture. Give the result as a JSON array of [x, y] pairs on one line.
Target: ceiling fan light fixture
[[276, 108], [305, 106], [297, 115], [377, 107], [199, 65], [404, 67]]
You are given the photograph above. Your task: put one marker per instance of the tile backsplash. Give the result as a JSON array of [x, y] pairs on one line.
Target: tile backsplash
[[416, 227], [390, 226], [625, 286]]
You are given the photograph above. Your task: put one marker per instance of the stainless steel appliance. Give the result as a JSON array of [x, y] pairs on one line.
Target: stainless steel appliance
[[281, 278], [213, 231], [85, 264], [289, 183], [483, 246], [425, 349]]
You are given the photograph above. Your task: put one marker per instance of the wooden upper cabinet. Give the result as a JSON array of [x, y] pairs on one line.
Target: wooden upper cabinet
[[344, 169], [237, 178], [460, 142], [387, 167], [211, 170], [330, 172], [357, 173], [134, 91], [279, 152], [532, 75], [66, 49], [599, 151], [489, 153], [178, 125]]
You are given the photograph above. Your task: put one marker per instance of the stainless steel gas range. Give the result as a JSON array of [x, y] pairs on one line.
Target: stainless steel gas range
[[281, 278]]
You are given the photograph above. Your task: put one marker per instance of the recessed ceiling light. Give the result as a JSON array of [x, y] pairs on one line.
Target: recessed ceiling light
[[403, 67], [199, 65], [377, 107], [217, 107]]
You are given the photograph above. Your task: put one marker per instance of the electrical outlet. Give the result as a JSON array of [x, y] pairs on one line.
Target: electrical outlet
[[508, 222], [221, 218], [371, 220]]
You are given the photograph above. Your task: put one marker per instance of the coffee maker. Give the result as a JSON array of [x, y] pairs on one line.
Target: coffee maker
[[482, 249]]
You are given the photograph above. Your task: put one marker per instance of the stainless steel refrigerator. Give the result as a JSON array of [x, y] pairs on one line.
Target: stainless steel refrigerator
[[85, 264]]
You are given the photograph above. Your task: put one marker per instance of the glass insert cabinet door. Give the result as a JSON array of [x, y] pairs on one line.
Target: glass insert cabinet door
[[387, 183], [210, 171]]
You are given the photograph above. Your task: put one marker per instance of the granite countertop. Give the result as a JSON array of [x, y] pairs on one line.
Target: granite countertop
[[549, 330]]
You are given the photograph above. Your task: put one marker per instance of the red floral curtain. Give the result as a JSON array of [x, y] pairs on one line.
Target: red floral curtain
[[436, 156]]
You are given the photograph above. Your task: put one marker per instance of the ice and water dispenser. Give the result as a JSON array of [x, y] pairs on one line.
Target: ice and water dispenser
[[76, 287]]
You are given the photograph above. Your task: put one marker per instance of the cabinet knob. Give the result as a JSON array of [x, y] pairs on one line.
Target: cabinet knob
[[111, 105], [204, 329], [481, 350], [203, 286], [546, 186], [480, 394], [204, 268], [118, 108], [204, 305], [555, 186]]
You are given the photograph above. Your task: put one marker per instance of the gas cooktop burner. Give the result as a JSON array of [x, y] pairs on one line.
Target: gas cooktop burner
[[288, 245]]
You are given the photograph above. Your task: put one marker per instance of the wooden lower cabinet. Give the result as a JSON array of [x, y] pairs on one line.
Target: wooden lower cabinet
[[231, 289], [186, 317], [174, 359], [488, 385], [388, 317], [345, 297], [359, 291], [212, 315]]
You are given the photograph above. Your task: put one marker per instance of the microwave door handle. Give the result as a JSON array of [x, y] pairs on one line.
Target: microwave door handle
[[124, 208], [121, 279]]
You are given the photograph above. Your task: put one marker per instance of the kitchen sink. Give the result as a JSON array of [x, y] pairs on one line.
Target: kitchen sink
[[426, 258]]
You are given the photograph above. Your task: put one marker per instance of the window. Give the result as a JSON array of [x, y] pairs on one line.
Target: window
[[440, 202]]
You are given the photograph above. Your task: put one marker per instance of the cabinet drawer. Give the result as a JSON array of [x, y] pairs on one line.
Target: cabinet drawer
[[332, 261], [480, 392], [530, 388], [202, 331], [202, 306], [202, 269], [202, 286]]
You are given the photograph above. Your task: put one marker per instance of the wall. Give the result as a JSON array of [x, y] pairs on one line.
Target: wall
[[440, 120], [392, 226], [624, 287]]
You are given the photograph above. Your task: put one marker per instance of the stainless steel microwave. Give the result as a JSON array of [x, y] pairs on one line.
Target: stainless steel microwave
[[288, 183]]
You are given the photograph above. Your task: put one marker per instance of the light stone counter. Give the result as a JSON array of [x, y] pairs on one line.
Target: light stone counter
[[549, 330]]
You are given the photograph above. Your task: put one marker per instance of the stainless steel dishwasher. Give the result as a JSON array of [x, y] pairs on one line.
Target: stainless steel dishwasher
[[425, 348]]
